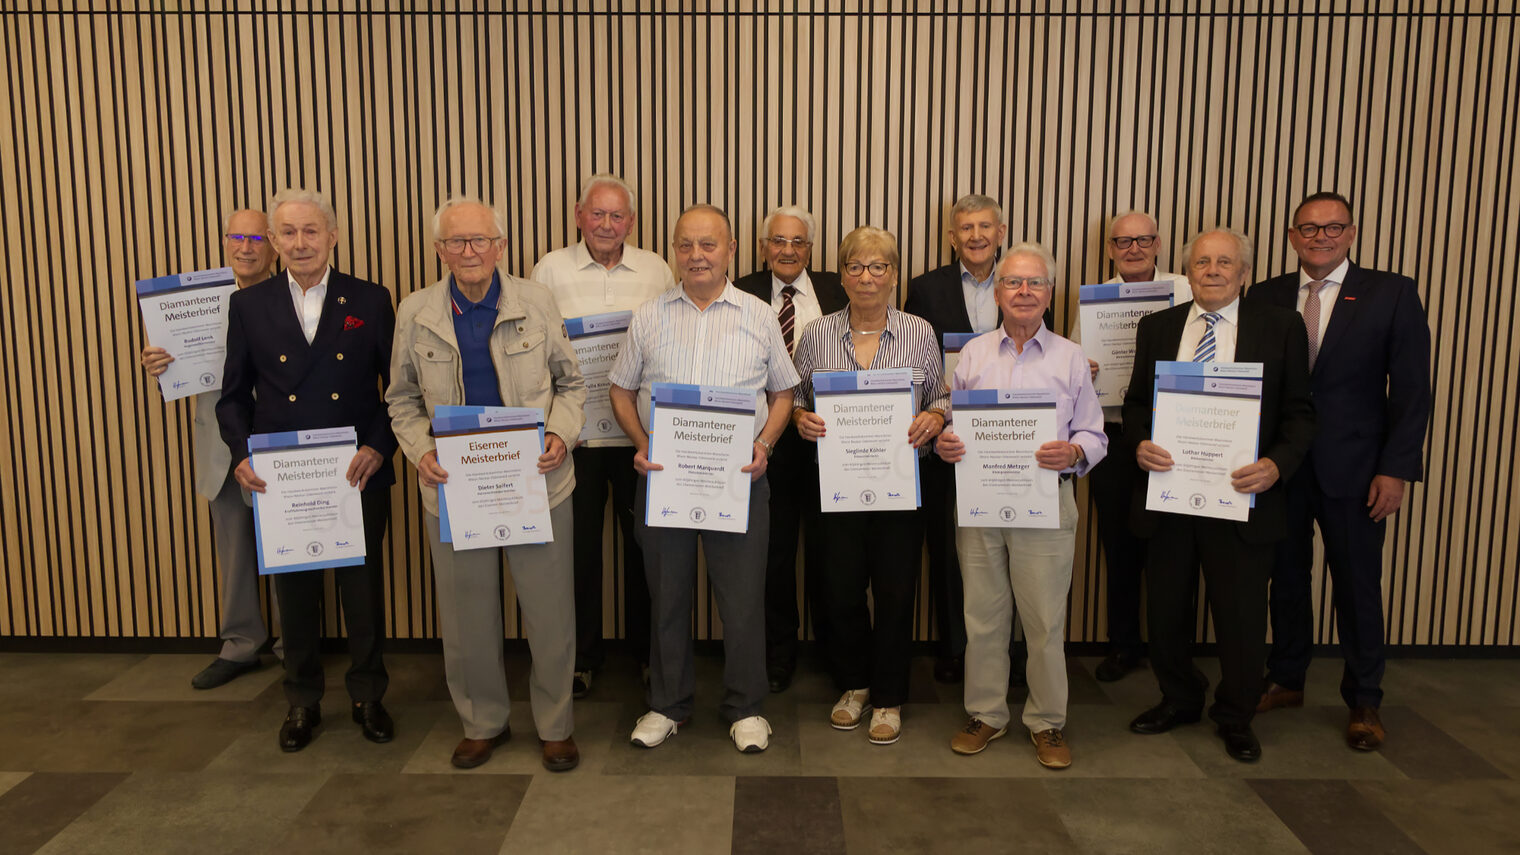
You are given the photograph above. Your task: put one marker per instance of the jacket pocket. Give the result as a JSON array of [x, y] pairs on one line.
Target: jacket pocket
[[437, 370]]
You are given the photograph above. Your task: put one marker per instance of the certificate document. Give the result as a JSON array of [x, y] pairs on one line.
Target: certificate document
[[495, 495], [702, 435], [1208, 417], [865, 462], [308, 517], [998, 484], [953, 342], [597, 339], [186, 315], [1109, 315]]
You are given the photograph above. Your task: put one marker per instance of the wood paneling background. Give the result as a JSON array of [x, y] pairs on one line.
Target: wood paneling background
[[131, 128]]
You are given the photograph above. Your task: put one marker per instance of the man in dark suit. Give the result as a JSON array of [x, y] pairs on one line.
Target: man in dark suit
[[310, 348], [799, 298], [1236, 556], [1369, 360]]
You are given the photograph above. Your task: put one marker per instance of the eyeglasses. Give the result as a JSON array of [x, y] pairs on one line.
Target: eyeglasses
[[877, 268], [479, 244], [1145, 241], [1035, 284], [253, 239], [1309, 230], [783, 243]]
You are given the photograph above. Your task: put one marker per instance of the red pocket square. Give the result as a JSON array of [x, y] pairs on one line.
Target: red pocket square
[[352, 323]]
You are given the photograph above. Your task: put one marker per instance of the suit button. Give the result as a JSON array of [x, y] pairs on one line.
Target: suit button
[[282, 357], [292, 399], [335, 396], [340, 357]]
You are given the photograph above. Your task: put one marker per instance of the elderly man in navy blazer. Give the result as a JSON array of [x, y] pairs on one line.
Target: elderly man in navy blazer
[[310, 348], [1369, 359]]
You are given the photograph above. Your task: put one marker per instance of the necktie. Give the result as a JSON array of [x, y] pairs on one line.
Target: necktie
[[1205, 351], [1311, 320], [788, 318]]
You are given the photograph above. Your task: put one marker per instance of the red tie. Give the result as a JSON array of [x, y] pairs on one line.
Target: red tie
[[788, 318]]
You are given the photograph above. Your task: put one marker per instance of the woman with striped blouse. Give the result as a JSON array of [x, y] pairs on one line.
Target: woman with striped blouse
[[879, 549]]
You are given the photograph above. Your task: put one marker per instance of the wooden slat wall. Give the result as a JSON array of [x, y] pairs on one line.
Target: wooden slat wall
[[131, 130]]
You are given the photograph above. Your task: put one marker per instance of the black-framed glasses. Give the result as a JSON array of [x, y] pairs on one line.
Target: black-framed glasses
[[1145, 241], [1309, 230], [479, 243], [236, 238], [783, 243], [1035, 284], [877, 268]]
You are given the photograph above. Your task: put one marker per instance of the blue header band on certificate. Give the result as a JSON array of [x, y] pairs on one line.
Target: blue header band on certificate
[[1001, 398], [1241, 370], [724, 399], [185, 281], [1118, 292], [603, 324], [1223, 387], [315, 438], [954, 341], [879, 380], [449, 420]]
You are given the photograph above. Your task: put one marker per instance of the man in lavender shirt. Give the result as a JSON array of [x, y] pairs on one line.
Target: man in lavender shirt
[[1001, 567]]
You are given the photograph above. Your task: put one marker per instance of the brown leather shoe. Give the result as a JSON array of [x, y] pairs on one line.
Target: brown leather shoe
[[470, 753], [1364, 731], [561, 755], [974, 737], [1277, 697]]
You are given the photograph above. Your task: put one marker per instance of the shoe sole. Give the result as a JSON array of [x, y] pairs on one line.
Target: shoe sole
[[562, 767], [753, 749], [859, 719], [964, 753], [672, 732], [895, 737]]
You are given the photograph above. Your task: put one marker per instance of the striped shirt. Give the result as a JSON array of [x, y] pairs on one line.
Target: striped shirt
[[735, 341], [907, 342]]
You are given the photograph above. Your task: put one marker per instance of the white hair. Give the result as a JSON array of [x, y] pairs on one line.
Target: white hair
[[227, 220], [1247, 255], [315, 198], [456, 201], [1132, 212], [607, 179], [1038, 251], [789, 211]]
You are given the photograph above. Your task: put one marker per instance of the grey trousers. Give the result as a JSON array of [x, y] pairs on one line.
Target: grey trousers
[[242, 627], [736, 571], [470, 617]]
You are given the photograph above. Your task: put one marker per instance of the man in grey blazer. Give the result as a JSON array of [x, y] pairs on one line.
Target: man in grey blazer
[[245, 242]]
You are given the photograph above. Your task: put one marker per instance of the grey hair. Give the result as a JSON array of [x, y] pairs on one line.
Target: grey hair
[[227, 220], [789, 211], [1247, 255], [456, 201], [973, 202], [316, 198], [1037, 250], [1132, 212], [607, 179], [711, 209]]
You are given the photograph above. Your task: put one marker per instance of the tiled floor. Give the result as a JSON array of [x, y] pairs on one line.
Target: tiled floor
[[115, 753]]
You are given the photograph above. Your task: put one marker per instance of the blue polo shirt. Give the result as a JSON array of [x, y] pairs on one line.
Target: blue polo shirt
[[473, 323]]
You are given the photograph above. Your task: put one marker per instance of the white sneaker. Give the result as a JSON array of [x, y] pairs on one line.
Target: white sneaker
[[751, 735], [850, 707], [886, 725], [652, 728]]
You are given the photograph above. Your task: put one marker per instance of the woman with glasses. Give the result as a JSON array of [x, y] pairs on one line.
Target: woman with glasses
[[875, 549]]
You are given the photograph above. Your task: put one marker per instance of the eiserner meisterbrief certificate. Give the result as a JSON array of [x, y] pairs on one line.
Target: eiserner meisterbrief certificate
[[703, 436], [865, 461], [953, 342], [495, 495], [1208, 417], [186, 315], [998, 484], [1110, 313], [308, 517], [597, 339]]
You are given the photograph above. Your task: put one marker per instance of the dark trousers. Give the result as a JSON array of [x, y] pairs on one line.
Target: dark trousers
[[945, 592], [1235, 574], [597, 469], [793, 476], [361, 593], [1354, 551], [879, 549], [1112, 483]]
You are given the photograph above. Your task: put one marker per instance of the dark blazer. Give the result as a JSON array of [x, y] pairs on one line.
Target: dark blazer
[[826, 287], [1371, 382], [1267, 334], [937, 297], [275, 381]]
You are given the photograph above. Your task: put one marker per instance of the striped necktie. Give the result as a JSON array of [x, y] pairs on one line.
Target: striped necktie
[[1205, 351], [1312, 308], [788, 318]]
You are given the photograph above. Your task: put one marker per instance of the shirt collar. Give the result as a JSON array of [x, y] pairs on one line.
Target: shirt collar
[[729, 294], [1337, 276], [581, 256], [1229, 313], [802, 283], [319, 288], [462, 304], [1041, 338], [969, 278]]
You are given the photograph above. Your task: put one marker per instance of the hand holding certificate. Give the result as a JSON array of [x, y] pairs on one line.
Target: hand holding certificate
[[702, 437], [865, 461], [1109, 315], [308, 516], [597, 339], [494, 495], [186, 315], [998, 482], [1208, 416]]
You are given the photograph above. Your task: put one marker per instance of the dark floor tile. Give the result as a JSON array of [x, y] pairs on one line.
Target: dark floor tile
[[1493, 733], [63, 676], [123, 736], [1422, 750], [407, 813], [1333, 817], [1455, 817], [954, 814], [794, 815], [45, 803]]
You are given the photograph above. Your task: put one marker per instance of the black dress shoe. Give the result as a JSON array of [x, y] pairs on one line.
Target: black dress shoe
[[949, 669], [1240, 742], [1163, 717], [780, 677], [376, 722], [295, 733], [221, 672], [1118, 664]]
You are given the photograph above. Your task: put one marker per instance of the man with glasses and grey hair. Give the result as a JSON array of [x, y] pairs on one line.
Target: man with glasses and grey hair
[[480, 338], [600, 274], [1134, 241], [799, 297]]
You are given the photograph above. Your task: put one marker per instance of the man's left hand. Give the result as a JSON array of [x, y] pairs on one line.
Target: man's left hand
[[553, 456], [756, 466], [1384, 497], [1255, 477], [366, 462]]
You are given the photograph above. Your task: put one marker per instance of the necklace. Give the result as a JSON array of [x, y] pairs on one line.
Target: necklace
[[867, 332]]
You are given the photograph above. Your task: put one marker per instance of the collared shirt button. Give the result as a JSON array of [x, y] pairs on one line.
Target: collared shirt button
[[335, 396], [292, 399]]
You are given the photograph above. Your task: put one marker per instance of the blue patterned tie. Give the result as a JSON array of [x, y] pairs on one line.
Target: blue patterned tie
[[1205, 351]]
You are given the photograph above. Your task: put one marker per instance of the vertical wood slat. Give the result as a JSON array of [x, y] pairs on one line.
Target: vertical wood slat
[[137, 129]]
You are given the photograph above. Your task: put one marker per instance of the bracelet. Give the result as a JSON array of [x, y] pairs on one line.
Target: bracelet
[[765, 445]]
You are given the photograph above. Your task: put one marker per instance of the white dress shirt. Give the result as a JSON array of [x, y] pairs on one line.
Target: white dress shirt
[[582, 286], [1225, 331], [309, 303], [1328, 293], [804, 303]]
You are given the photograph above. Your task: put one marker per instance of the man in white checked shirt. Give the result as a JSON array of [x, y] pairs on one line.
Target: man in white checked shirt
[[707, 332]]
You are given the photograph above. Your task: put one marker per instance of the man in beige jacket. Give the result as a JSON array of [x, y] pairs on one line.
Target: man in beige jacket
[[481, 338]]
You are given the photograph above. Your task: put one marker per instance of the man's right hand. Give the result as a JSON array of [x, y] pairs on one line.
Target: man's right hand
[[641, 462], [243, 474], [155, 360], [1152, 457], [1092, 366]]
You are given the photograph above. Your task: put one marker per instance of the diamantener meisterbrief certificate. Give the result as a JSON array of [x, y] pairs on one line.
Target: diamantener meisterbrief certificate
[[998, 484], [597, 339], [865, 461], [495, 495], [1208, 417], [1110, 313], [702, 435], [186, 315], [309, 517]]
